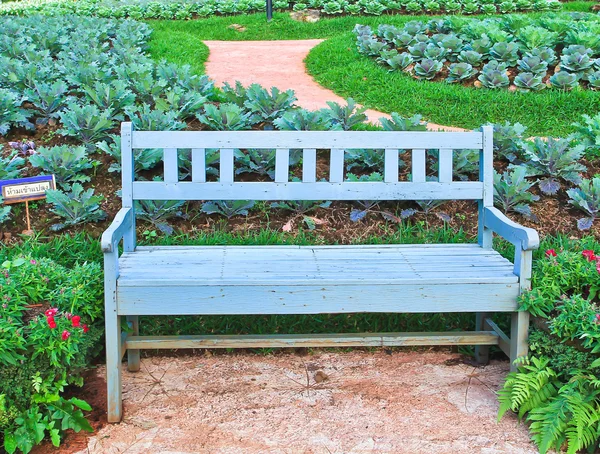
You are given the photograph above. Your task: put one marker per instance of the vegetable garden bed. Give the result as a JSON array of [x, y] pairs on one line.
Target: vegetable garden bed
[[68, 81]]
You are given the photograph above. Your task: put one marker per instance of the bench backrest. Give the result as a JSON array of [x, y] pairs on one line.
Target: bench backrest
[[226, 188]]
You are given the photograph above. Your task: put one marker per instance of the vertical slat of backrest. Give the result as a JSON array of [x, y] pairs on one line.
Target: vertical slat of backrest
[[226, 165], [445, 165], [486, 175], [418, 165], [309, 165], [170, 164], [282, 165], [336, 166], [198, 165], [127, 177], [391, 166]]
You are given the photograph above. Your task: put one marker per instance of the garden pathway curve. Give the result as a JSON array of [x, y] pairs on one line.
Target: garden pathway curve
[[277, 64]]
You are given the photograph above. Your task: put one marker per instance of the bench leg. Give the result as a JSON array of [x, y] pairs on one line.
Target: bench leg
[[133, 356], [113, 361], [519, 332], [482, 352]]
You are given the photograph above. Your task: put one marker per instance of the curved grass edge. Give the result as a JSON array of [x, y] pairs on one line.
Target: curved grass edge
[[337, 65]]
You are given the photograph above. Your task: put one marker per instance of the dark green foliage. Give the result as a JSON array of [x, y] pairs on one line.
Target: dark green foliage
[[75, 206], [65, 162]]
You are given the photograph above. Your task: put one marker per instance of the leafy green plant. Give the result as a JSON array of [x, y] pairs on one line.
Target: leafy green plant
[[586, 198], [11, 166], [65, 162], [511, 192], [493, 78], [564, 81], [227, 208], [268, 106], [4, 212], [508, 141], [47, 99], [397, 122], [529, 82], [344, 117], [588, 133], [11, 113], [225, 117], [554, 159], [458, 72], [144, 118], [533, 64], [428, 68], [143, 159], [159, 212], [76, 206], [86, 122], [113, 97], [303, 120]]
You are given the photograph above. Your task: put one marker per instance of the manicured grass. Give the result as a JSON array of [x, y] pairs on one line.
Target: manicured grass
[[337, 65]]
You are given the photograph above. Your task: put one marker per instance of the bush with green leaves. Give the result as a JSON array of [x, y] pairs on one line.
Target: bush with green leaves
[[87, 123], [76, 206], [41, 355], [68, 164], [11, 166], [588, 133], [525, 54], [554, 160], [511, 192], [11, 112], [586, 198], [4, 211], [159, 212], [344, 117], [227, 208], [267, 107], [225, 117], [556, 388]]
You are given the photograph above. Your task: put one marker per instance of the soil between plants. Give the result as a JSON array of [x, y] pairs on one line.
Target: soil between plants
[[370, 402]]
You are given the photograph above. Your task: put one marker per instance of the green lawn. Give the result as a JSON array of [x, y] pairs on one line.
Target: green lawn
[[337, 65]]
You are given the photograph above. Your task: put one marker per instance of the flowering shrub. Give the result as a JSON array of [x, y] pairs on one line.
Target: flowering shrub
[[557, 387], [48, 331]]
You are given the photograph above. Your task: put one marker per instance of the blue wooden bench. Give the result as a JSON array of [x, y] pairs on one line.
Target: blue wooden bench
[[224, 280]]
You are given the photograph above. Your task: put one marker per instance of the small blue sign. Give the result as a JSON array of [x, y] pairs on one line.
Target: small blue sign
[[23, 189]]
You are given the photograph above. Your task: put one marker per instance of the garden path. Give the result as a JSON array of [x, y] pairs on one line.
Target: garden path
[[277, 64], [369, 402]]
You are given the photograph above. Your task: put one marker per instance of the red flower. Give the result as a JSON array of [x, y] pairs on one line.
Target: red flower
[[85, 329], [598, 266], [589, 255], [65, 335], [33, 262], [550, 253], [75, 320], [68, 315], [51, 322], [51, 312]]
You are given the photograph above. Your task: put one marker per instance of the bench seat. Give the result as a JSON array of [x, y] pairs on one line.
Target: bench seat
[[182, 280]]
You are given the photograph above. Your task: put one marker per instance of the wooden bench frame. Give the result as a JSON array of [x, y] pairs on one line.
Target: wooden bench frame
[[491, 221]]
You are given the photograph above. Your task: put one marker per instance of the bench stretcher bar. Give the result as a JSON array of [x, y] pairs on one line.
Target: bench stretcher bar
[[315, 340]]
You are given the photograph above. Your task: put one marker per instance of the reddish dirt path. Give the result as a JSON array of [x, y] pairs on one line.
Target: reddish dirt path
[[370, 402], [277, 64]]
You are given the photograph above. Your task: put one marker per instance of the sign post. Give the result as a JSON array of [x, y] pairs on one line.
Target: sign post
[[26, 190], [269, 10]]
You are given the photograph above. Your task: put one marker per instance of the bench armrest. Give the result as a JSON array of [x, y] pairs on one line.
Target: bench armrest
[[119, 227], [522, 237]]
